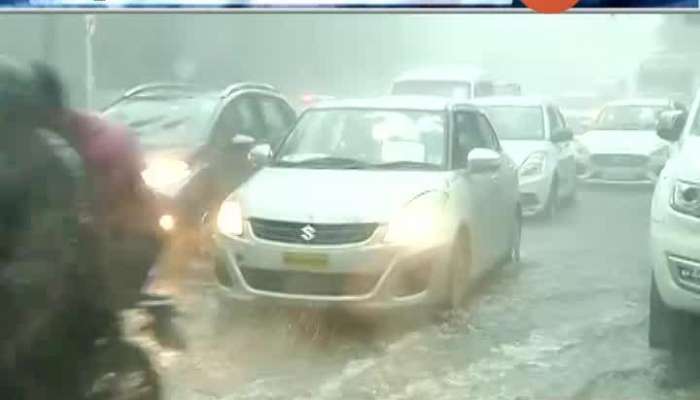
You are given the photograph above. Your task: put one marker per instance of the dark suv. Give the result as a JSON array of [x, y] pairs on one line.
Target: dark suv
[[197, 140]]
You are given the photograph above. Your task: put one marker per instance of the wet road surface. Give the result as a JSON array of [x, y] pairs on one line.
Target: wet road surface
[[567, 322]]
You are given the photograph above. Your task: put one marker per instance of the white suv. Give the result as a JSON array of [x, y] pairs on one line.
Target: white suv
[[675, 230]]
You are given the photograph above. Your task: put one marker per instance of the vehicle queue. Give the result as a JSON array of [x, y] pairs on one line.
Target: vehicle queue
[[409, 199]]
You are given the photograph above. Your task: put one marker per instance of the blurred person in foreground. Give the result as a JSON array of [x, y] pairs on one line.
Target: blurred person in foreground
[[72, 250], [126, 209]]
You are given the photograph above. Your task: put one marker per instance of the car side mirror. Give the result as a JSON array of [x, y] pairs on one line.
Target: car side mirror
[[670, 125], [242, 140], [562, 135], [483, 160], [260, 155]]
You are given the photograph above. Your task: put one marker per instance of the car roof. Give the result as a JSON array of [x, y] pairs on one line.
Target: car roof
[[444, 73], [512, 101], [170, 90], [416, 103], [641, 101]]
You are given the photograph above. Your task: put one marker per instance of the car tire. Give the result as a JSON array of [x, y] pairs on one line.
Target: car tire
[[669, 329], [660, 320]]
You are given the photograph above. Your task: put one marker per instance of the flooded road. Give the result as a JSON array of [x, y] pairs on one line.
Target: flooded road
[[567, 322]]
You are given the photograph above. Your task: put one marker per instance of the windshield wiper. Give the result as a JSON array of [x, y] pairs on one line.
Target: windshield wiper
[[406, 165], [322, 162]]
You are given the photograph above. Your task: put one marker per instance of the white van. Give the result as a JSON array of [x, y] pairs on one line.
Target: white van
[[461, 82]]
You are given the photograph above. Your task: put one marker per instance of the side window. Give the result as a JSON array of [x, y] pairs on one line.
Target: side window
[[483, 89], [488, 133], [467, 136], [554, 121], [277, 117]]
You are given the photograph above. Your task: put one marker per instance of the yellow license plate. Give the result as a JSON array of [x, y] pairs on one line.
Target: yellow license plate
[[306, 260]]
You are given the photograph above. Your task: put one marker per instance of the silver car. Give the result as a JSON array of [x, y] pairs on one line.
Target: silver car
[[622, 147], [374, 204]]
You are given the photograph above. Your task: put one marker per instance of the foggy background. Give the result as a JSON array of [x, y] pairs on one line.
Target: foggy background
[[341, 54]]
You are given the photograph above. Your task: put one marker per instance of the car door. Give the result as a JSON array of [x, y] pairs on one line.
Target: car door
[[506, 192], [240, 118], [474, 192], [564, 151]]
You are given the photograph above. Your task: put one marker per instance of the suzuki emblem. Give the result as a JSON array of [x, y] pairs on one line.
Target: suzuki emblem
[[308, 233]]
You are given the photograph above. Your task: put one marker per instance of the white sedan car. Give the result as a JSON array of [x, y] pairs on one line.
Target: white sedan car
[[675, 230], [372, 204], [534, 134], [623, 146]]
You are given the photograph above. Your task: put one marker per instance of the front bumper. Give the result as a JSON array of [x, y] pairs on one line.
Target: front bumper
[[369, 276], [675, 252], [643, 174], [534, 193]]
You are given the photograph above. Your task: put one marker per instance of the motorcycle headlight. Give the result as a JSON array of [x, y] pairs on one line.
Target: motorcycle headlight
[[421, 221], [685, 198], [229, 221], [163, 174], [533, 165]]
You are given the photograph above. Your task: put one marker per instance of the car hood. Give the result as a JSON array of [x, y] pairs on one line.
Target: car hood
[[686, 163], [519, 150], [621, 142], [334, 196]]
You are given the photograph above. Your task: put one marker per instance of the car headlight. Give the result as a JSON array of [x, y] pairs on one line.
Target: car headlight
[[162, 174], [534, 164], [421, 221], [229, 221], [685, 198]]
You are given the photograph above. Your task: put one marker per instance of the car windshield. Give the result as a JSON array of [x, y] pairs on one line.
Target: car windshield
[[367, 137], [517, 122], [453, 89], [629, 117], [166, 122]]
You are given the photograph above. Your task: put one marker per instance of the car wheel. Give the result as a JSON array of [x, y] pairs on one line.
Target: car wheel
[[516, 239], [660, 317], [671, 329]]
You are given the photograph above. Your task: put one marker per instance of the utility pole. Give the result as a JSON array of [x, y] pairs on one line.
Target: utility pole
[[90, 22]]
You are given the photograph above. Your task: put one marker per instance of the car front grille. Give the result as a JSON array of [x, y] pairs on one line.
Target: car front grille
[[311, 233], [619, 160], [309, 283]]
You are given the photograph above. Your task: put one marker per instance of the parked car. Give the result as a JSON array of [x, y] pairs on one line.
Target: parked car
[[622, 147], [458, 82], [372, 204], [534, 134], [675, 223], [197, 140]]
